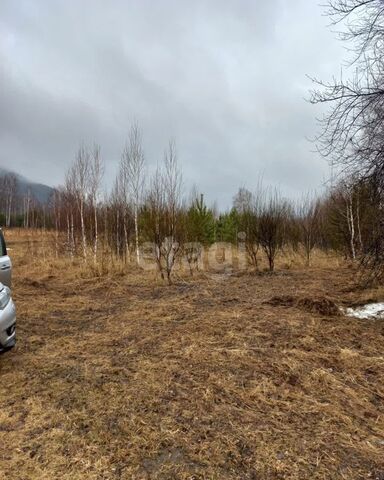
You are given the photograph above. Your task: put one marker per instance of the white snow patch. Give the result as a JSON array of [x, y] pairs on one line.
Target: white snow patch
[[371, 310]]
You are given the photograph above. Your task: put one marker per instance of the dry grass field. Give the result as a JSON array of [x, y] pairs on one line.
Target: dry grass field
[[215, 377]]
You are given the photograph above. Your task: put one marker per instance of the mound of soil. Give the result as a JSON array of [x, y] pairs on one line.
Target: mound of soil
[[322, 305]]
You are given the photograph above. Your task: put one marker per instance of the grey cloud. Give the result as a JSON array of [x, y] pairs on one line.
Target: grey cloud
[[225, 79]]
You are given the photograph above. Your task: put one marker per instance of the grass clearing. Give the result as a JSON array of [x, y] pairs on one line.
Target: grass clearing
[[123, 377]]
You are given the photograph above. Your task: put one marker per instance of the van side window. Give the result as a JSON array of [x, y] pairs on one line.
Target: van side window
[[3, 248]]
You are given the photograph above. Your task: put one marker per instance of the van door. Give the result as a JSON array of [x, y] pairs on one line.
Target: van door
[[5, 263]]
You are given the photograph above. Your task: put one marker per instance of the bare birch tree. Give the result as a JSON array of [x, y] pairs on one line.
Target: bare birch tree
[[133, 169], [78, 178], [9, 188], [27, 206], [57, 205], [154, 215], [122, 191], [96, 176], [69, 202]]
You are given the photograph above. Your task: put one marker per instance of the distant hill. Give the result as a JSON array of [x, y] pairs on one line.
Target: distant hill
[[40, 191]]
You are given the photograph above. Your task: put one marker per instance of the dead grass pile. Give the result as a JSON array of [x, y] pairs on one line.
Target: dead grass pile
[[322, 305]]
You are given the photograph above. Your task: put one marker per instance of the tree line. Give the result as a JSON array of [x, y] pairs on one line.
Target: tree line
[[352, 129], [348, 218], [19, 207], [152, 210]]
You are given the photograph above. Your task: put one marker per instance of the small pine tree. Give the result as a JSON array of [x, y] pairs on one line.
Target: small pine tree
[[200, 223], [227, 227]]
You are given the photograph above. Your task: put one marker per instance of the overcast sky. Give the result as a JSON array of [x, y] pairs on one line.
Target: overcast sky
[[225, 79]]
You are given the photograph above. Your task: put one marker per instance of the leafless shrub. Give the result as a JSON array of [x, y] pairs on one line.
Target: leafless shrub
[[308, 222], [273, 214], [247, 205], [163, 212]]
